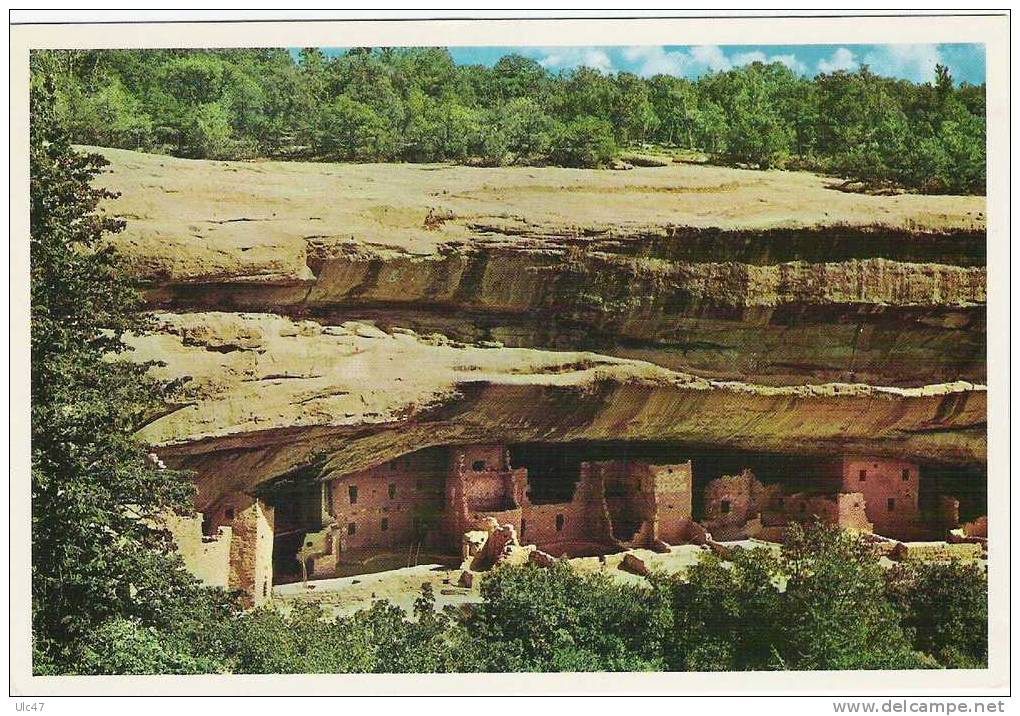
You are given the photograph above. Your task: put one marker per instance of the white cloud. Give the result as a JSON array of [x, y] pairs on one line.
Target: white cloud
[[710, 57], [746, 58], [913, 62], [649, 60], [559, 58], [652, 60], [656, 60], [842, 59]]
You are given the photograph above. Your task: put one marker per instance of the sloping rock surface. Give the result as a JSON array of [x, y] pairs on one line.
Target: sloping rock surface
[[773, 277]]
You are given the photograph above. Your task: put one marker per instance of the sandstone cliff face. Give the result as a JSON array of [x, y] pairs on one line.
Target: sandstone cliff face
[[768, 276], [269, 394], [340, 315]]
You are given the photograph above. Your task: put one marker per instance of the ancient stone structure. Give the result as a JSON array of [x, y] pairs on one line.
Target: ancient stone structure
[[205, 556], [467, 504], [413, 503], [859, 493], [646, 505], [463, 500], [232, 548], [733, 502], [691, 307], [842, 509], [890, 489]]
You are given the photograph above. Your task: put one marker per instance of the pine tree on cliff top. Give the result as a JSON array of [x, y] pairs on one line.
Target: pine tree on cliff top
[[95, 560]]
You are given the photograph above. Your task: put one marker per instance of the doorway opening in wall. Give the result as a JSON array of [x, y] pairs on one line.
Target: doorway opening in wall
[[298, 511]]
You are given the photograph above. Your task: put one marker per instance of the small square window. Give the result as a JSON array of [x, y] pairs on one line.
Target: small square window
[[559, 523], [393, 490], [352, 493], [725, 506], [351, 528], [862, 475], [478, 465], [906, 474], [891, 503], [385, 525], [229, 513]]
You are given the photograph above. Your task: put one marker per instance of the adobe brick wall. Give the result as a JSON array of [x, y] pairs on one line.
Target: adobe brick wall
[[671, 490], [223, 511], [643, 503], [890, 489], [852, 513], [731, 501], [551, 527], [491, 457], [395, 504], [251, 554], [207, 557], [488, 492], [843, 509], [499, 492]]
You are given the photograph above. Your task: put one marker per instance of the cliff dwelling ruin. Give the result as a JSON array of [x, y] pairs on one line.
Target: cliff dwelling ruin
[[473, 505], [571, 362]]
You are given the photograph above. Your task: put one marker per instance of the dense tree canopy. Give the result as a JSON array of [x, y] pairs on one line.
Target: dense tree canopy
[[416, 104], [100, 567], [822, 602]]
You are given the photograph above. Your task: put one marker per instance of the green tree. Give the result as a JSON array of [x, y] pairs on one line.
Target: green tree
[[877, 132], [515, 76], [96, 556], [585, 142], [726, 617], [548, 619], [675, 103], [835, 609], [350, 130], [945, 604], [527, 130], [633, 114]]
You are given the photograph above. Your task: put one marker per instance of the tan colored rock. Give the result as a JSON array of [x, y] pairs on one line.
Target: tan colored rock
[[771, 276], [267, 222], [365, 400], [635, 565]]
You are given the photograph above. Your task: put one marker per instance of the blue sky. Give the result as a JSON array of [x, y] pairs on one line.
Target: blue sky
[[914, 62]]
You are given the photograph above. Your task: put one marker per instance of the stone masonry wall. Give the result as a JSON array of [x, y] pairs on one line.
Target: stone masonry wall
[[390, 505], [671, 493], [251, 554], [890, 489], [206, 557]]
